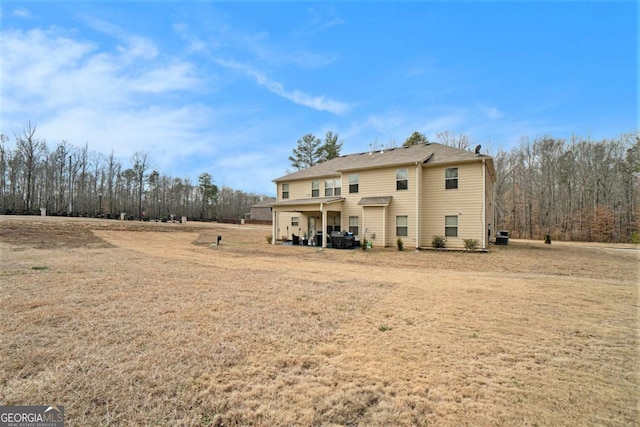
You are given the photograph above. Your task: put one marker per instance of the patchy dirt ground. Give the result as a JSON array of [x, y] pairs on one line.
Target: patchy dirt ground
[[128, 323]]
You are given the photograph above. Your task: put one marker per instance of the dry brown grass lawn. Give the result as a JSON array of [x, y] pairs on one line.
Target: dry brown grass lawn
[[150, 324]]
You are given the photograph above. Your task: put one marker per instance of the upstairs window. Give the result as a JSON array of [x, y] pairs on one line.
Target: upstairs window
[[402, 179], [353, 183], [315, 188], [332, 187], [451, 178], [328, 187], [285, 191], [451, 226]]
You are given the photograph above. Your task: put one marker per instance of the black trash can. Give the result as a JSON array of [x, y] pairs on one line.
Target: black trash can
[[319, 238]]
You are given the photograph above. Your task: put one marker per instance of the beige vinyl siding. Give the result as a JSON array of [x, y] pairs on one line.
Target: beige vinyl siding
[[373, 224], [284, 224], [350, 208], [372, 183], [301, 189], [286, 229], [402, 204], [471, 202], [297, 190], [375, 183], [464, 202]]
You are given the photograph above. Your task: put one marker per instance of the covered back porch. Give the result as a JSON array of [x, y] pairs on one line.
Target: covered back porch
[[314, 218]]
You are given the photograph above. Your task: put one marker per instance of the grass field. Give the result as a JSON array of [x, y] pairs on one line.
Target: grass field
[[128, 323]]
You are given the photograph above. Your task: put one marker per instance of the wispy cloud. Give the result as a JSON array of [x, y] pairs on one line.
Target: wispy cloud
[[491, 112], [48, 69], [133, 46], [22, 13], [170, 77], [262, 51], [320, 103], [441, 123], [259, 46], [394, 126], [75, 91], [157, 130], [118, 99], [321, 20], [194, 43]]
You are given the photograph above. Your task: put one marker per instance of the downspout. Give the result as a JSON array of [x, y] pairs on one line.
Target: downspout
[[484, 207], [364, 228], [418, 180], [384, 226]]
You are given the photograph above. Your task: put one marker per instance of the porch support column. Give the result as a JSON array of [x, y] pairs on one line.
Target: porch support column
[[274, 226], [324, 226]]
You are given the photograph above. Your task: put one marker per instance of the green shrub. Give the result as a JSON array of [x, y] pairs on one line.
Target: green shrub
[[471, 244], [269, 238], [438, 242], [400, 244], [635, 238]]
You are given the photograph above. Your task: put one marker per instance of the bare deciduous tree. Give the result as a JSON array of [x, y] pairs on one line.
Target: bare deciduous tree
[[574, 189], [450, 139], [140, 165], [30, 149]]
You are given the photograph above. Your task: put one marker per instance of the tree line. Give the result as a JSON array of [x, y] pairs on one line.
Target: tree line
[[68, 180], [576, 189]]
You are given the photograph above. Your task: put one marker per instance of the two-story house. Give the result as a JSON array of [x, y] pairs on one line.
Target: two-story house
[[414, 193]]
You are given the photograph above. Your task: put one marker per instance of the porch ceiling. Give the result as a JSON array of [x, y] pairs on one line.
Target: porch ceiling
[[312, 204]]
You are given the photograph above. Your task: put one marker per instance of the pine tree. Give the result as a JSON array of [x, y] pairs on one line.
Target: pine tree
[[307, 153], [331, 147], [414, 139]]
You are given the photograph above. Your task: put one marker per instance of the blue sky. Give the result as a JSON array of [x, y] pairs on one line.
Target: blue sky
[[228, 88]]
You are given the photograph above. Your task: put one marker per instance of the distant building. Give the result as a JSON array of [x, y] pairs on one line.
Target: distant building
[[413, 193], [261, 211]]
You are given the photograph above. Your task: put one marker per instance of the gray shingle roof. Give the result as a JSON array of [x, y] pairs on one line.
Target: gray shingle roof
[[309, 201], [428, 154], [264, 203], [375, 201]]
